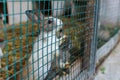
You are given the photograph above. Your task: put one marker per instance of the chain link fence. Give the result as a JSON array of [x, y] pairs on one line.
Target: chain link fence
[[48, 39]]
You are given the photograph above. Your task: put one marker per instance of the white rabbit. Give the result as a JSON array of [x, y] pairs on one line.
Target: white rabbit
[[46, 44]]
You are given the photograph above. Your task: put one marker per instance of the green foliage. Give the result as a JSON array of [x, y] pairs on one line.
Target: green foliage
[[102, 70]]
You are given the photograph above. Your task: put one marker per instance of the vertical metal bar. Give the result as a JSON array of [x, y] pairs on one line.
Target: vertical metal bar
[[100, 14], [27, 62], [13, 24], [118, 19], [94, 41], [20, 36], [6, 56]]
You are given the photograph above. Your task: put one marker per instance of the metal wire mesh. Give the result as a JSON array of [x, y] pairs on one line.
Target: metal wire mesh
[[47, 39]]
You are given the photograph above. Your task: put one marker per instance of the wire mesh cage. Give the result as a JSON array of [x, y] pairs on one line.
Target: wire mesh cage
[[47, 39]]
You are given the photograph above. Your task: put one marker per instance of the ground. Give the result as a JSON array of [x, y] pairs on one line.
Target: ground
[[110, 69]]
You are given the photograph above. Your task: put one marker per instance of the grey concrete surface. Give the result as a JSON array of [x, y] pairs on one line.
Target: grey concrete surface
[[110, 69]]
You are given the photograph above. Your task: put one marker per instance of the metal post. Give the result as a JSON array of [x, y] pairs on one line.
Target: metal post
[[94, 41]]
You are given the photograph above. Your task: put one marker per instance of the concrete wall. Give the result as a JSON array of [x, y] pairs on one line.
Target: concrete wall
[[109, 12], [16, 11], [18, 8], [109, 16]]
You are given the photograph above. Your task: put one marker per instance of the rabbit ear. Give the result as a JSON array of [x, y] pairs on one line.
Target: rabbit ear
[[35, 16], [39, 15]]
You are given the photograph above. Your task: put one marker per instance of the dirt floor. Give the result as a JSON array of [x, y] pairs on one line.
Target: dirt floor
[[110, 69]]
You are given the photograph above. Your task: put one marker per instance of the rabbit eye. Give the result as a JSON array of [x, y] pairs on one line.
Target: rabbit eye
[[49, 21]]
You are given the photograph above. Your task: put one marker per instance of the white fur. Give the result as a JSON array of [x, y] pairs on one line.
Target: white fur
[[44, 49], [1, 54]]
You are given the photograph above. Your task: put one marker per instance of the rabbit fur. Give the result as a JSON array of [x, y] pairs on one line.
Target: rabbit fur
[[46, 46]]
